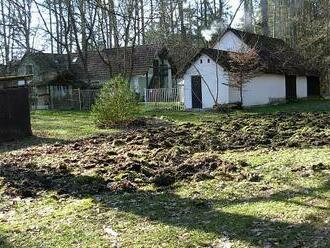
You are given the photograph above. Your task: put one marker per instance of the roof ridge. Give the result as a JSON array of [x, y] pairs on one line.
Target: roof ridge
[[138, 46], [252, 33]]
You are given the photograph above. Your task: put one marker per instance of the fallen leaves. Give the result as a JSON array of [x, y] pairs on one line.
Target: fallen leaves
[[109, 231]]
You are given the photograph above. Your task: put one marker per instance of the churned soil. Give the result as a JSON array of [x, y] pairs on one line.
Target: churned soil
[[156, 154]]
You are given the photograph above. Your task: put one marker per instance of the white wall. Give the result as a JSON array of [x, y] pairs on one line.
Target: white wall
[[258, 91], [208, 71], [234, 95], [301, 87], [262, 88], [230, 42]]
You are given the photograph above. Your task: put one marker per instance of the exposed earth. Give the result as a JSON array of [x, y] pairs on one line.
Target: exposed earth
[[158, 154]]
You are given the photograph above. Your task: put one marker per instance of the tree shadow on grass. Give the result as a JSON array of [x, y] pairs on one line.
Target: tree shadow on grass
[[288, 195], [26, 142], [4, 243], [207, 216], [194, 214]]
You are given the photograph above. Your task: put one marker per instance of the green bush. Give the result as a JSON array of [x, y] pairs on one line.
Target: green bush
[[116, 104]]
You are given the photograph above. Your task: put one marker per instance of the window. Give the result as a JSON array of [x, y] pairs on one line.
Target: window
[[95, 84], [208, 61], [201, 61], [29, 69], [20, 82]]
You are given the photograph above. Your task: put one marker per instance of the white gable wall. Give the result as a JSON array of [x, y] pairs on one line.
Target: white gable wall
[[260, 90], [230, 42], [208, 72]]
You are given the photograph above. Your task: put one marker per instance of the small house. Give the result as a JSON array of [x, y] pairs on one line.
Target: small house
[[7, 82], [284, 74], [48, 71], [55, 77], [14, 108], [146, 66]]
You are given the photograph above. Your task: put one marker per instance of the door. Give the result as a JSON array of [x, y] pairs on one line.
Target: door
[[291, 87], [196, 92], [156, 76], [313, 86]]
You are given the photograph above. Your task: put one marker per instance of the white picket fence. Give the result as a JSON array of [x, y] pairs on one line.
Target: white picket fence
[[165, 99]]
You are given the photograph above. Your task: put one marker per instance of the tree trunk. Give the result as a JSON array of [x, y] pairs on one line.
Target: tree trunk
[[4, 33], [293, 26], [113, 19], [248, 15], [265, 24], [143, 28], [181, 17]]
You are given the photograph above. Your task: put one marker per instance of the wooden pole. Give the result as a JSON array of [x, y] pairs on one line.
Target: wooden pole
[[79, 96]]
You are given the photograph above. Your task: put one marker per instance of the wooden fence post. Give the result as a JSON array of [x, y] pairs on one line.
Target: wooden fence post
[[79, 97]]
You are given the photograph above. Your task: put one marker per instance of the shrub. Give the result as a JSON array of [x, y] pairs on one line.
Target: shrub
[[116, 104]]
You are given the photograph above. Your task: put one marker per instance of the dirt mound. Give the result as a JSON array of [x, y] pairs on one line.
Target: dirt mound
[[158, 154], [118, 174]]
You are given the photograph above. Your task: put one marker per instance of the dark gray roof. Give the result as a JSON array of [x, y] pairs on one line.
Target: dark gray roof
[[276, 55], [115, 61], [48, 62]]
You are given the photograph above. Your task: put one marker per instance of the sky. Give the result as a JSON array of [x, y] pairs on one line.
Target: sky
[[235, 4]]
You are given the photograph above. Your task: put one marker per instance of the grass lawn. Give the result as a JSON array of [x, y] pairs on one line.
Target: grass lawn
[[288, 207], [68, 125], [64, 124]]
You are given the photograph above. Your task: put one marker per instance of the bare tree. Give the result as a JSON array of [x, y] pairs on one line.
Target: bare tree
[[244, 66], [22, 19]]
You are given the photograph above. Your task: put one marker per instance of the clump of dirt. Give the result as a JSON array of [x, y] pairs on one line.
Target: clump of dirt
[[158, 154], [144, 122], [319, 167], [307, 171]]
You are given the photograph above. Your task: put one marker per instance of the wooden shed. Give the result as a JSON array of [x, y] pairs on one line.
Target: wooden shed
[[14, 108], [14, 81]]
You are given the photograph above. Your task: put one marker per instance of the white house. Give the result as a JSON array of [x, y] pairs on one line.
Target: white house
[[284, 74]]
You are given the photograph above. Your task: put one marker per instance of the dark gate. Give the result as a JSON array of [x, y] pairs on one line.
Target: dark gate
[[313, 86], [14, 114], [291, 87], [196, 92]]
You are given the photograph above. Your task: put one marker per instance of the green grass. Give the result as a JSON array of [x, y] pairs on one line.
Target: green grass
[[68, 125], [317, 105], [285, 209], [64, 124]]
